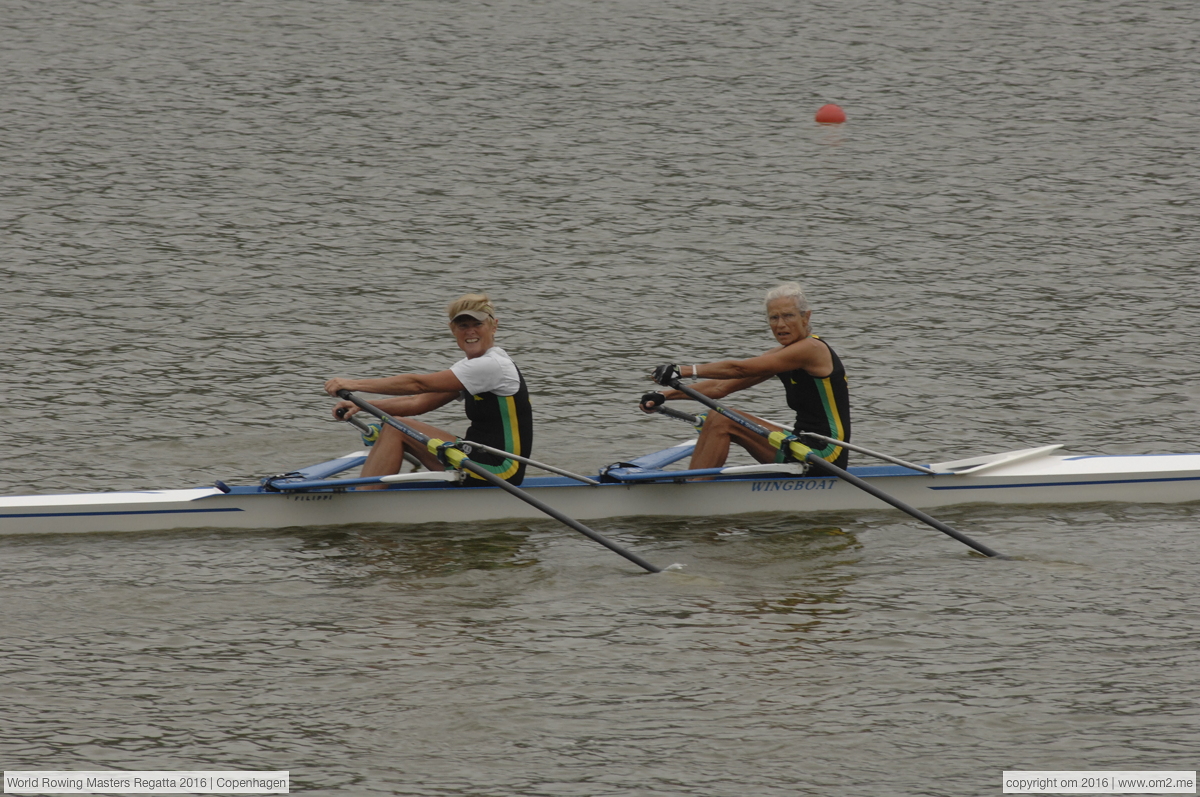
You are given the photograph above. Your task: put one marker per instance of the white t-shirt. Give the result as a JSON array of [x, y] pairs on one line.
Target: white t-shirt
[[493, 372]]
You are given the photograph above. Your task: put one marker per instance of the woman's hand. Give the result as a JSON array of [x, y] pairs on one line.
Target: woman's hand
[[337, 383], [345, 409], [652, 401]]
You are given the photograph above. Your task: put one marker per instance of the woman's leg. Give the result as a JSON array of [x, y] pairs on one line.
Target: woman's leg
[[387, 455], [712, 449]]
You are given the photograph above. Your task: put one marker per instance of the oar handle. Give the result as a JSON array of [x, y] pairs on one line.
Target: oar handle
[[366, 430]]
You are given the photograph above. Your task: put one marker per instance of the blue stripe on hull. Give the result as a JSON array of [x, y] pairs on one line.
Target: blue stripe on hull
[[124, 512], [1062, 484]]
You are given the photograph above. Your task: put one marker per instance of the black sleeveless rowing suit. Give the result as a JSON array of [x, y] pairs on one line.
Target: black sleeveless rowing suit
[[500, 422], [822, 406]]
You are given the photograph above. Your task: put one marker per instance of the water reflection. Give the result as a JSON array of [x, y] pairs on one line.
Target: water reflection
[[714, 552], [419, 552]]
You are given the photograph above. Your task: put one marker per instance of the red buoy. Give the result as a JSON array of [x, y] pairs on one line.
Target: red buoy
[[830, 115]]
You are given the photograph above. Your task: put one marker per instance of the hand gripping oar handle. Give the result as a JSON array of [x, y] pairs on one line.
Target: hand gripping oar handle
[[457, 459], [801, 451]]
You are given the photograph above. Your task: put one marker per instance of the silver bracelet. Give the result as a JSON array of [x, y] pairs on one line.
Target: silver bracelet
[[695, 372]]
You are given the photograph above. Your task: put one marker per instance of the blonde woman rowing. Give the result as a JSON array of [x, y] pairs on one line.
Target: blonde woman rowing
[[487, 381]]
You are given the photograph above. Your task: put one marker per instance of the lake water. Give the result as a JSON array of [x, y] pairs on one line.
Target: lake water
[[210, 208]]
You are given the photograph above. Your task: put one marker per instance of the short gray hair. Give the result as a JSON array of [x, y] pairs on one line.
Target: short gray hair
[[788, 290]]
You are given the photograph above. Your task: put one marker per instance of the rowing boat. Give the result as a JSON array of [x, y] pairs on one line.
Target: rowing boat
[[322, 495]]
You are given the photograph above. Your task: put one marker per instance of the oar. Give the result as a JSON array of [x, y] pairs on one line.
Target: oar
[[457, 459], [471, 444], [801, 451], [695, 420], [362, 427], [671, 412]]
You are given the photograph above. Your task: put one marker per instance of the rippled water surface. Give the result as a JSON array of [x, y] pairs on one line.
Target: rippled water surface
[[207, 209]]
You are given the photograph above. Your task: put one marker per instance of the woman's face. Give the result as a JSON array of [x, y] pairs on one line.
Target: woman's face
[[788, 324], [473, 336]]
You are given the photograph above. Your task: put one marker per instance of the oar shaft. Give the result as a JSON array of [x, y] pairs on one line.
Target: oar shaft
[[461, 461], [758, 429], [366, 429], [671, 412], [693, 420], [866, 486], [559, 516], [828, 467], [868, 452], [498, 451], [355, 422], [542, 465], [367, 406]]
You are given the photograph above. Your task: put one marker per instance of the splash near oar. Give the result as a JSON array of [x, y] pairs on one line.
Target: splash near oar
[[791, 445], [452, 456]]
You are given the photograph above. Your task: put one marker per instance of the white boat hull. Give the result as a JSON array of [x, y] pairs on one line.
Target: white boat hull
[[1015, 478]]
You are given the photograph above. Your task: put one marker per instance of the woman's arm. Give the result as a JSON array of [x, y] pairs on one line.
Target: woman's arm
[[809, 355], [401, 385], [729, 376], [419, 393], [404, 406], [717, 388]]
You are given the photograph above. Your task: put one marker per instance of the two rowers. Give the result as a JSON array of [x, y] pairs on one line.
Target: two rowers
[[496, 398]]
